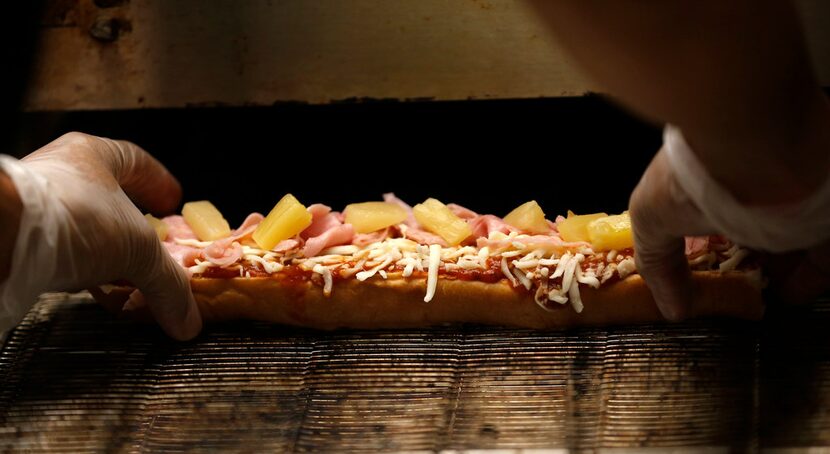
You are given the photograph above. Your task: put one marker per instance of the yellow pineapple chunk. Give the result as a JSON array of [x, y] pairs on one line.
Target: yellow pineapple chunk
[[435, 217], [288, 218], [369, 217], [528, 217], [158, 225], [575, 228], [611, 232], [205, 220]]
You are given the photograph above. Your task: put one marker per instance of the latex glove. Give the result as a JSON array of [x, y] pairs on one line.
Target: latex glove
[[79, 228], [676, 197]]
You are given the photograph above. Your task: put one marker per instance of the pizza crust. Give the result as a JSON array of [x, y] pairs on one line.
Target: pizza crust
[[398, 302]]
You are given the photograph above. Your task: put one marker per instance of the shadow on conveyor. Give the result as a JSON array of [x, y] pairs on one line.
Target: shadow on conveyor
[[795, 376]]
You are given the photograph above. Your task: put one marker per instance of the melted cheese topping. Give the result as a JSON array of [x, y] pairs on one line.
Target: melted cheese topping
[[551, 276]]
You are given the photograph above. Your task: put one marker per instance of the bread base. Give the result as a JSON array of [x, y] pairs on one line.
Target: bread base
[[398, 302]]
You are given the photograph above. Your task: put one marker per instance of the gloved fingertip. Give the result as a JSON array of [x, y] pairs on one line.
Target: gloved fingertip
[[673, 290], [675, 307], [191, 324], [135, 301], [185, 324]]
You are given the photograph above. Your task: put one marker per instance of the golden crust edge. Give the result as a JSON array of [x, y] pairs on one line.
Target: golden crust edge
[[398, 302]]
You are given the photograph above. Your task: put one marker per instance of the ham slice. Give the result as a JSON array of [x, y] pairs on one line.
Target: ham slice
[[248, 226], [482, 226], [696, 245], [322, 220], [364, 239], [222, 252], [326, 230], [177, 229], [287, 245], [461, 212], [423, 237], [183, 255], [410, 221], [546, 242], [413, 231], [341, 234]]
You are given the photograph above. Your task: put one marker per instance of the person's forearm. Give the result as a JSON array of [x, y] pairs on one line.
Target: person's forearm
[[735, 76], [10, 212]]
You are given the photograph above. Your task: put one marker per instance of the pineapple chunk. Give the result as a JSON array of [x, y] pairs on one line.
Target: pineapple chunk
[[158, 225], [611, 232], [575, 228], [438, 219], [528, 217], [288, 218], [205, 220], [369, 217]]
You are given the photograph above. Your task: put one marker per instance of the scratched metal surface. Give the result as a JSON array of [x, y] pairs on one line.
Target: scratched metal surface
[[74, 380]]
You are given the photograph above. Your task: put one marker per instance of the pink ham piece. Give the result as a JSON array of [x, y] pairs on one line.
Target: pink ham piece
[[461, 212], [365, 239], [341, 234], [423, 237], [228, 251], [482, 226], [287, 245], [410, 221], [248, 226], [327, 229], [177, 229], [183, 255], [696, 245], [413, 231], [223, 253], [547, 242], [322, 220]]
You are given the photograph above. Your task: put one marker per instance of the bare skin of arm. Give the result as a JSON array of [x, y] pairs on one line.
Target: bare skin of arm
[[10, 211], [735, 76]]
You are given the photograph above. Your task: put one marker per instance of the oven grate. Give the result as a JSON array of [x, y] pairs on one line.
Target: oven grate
[[75, 380]]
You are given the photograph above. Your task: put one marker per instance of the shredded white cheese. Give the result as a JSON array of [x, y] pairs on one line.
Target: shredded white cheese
[[522, 279], [432, 274], [520, 262], [561, 266], [568, 275], [327, 282], [732, 262], [626, 267], [363, 275], [506, 271], [341, 250], [576, 298], [586, 277]]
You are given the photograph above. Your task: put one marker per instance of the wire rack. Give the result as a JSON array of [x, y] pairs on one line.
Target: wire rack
[[76, 380]]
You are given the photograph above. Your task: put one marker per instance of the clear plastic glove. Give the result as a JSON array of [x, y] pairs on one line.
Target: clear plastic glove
[[79, 228], [676, 197]]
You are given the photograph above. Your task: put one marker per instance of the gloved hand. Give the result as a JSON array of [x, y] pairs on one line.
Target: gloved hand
[[677, 197], [79, 228]]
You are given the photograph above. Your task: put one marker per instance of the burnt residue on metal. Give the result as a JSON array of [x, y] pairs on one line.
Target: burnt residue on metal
[[109, 3], [75, 379], [60, 13], [107, 29]]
